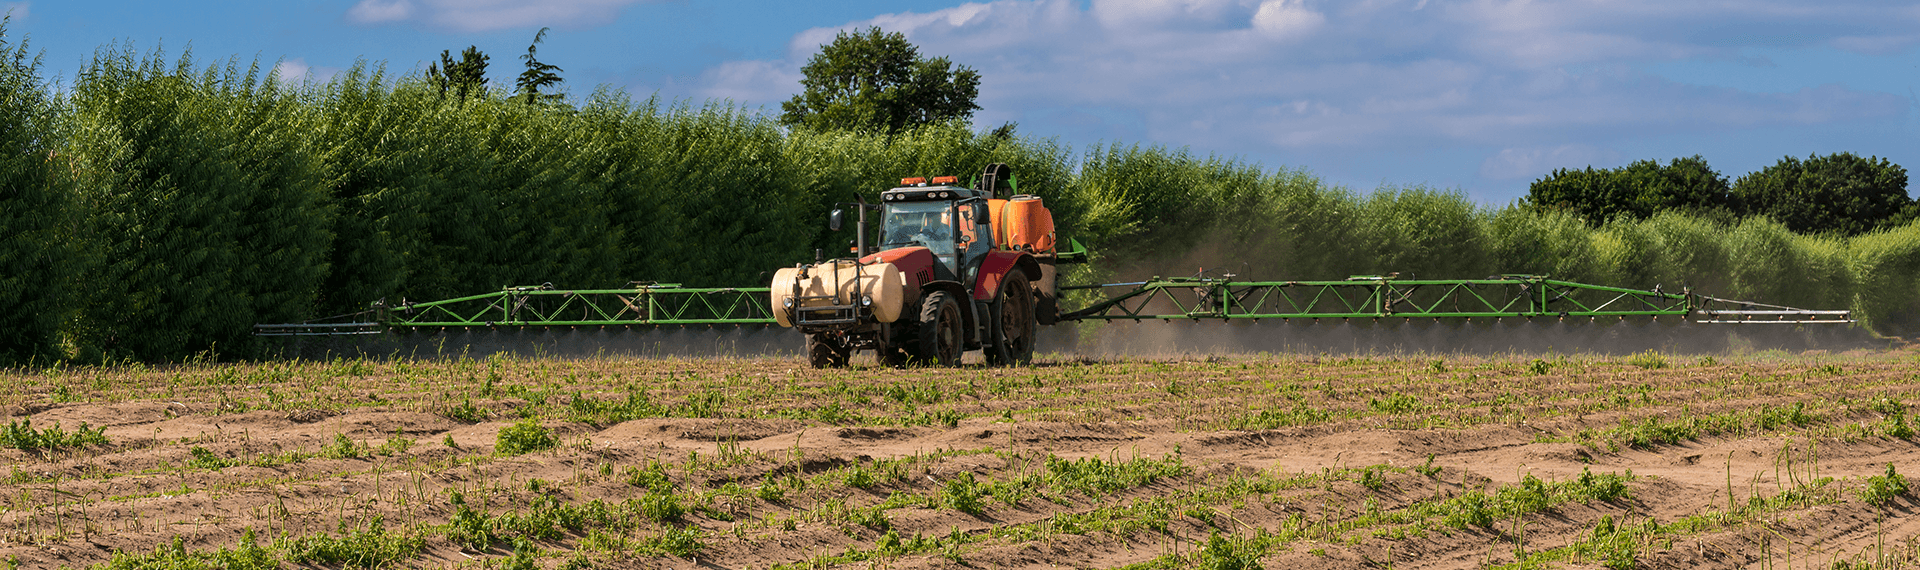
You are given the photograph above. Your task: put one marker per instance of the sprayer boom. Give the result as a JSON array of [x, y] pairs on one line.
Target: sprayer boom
[[1375, 297]]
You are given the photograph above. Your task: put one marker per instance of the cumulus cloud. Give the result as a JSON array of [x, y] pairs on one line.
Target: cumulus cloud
[[484, 15], [380, 11], [1534, 162], [294, 71], [1295, 75]]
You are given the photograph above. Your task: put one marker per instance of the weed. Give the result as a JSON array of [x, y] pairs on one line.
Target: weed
[[20, 435], [678, 541], [467, 413], [1428, 469], [370, 546], [653, 478], [248, 555], [1539, 367], [661, 507], [962, 494], [1373, 479], [343, 448], [1648, 360], [522, 557], [1882, 489], [200, 458], [524, 436], [1396, 404], [1222, 553]]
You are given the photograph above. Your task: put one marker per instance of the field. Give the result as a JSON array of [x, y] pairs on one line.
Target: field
[[1651, 460]]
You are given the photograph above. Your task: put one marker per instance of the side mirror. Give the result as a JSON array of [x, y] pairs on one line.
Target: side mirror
[[833, 220], [980, 213]]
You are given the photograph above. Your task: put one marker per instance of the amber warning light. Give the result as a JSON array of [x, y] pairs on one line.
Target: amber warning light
[[946, 180], [912, 181]]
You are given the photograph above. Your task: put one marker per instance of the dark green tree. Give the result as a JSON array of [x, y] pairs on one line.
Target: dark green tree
[[874, 81], [1636, 191], [1841, 193], [467, 77], [537, 75], [37, 261], [203, 226]]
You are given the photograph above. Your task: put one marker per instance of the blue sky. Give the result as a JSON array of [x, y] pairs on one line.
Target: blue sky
[[1479, 95]]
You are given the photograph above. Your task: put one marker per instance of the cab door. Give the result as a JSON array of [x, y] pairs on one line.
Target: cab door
[[974, 237]]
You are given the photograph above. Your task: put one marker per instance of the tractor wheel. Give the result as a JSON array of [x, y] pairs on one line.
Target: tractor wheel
[[940, 330], [886, 353], [1013, 338], [825, 352]]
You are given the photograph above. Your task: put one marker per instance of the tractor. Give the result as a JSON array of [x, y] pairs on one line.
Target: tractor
[[951, 269]]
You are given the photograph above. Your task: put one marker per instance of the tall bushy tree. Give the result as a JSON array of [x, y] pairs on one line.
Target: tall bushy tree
[[464, 78], [205, 222], [538, 75], [36, 240], [875, 81], [1841, 193], [1636, 191]]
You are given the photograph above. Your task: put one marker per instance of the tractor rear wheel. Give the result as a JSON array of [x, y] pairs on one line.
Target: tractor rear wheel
[[826, 352], [940, 330], [1013, 335]]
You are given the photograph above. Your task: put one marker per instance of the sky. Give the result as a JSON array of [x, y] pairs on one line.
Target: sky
[[1478, 96]]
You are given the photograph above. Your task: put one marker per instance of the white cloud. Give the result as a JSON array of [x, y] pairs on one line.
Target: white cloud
[[1534, 162], [1271, 76], [1286, 19], [380, 11], [295, 71], [484, 15], [759, 82], [17, 11]]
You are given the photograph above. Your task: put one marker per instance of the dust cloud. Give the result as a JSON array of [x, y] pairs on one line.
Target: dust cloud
[[1480, 336], [700, 341]]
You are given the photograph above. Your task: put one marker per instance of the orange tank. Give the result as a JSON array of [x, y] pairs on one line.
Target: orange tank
[[1029, 224], [997, 217]]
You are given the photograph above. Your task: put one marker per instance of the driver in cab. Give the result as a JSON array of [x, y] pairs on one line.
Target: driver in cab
[[920, 227]]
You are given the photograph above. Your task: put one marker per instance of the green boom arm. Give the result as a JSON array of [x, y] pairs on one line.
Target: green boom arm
[[1379, 297]]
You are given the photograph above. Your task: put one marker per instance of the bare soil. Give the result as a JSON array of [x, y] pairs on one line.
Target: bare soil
[[1751, 461]]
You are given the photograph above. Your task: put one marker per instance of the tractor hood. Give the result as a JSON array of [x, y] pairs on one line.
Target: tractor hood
[[915, 264]]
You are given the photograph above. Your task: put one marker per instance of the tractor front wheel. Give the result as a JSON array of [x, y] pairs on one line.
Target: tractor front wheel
[[940, 330], [826, 352], [886, 352]]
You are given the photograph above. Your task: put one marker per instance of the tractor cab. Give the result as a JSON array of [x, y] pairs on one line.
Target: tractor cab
[[948, 220]]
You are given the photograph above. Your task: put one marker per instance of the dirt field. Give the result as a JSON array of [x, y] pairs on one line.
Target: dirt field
[[1763, 460]]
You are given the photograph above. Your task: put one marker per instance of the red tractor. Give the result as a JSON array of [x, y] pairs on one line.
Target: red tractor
[[955, 269]]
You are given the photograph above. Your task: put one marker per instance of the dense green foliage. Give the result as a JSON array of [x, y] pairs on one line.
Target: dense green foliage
[[1636, 191], [205, 211], [1841, 193], [874, 81], [189, 203], [36, 256]]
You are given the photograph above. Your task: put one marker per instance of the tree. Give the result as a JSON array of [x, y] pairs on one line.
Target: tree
[[1835, 193], [537, 75], [874, 81], [465, 77], [1636, 191], [203, 226], [36, 243]]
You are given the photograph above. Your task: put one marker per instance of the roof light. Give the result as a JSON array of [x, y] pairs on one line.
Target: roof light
[[913, 181], [946, 180]]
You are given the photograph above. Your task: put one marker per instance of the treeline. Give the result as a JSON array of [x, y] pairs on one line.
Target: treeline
[[156, 208], [1841, 193]]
